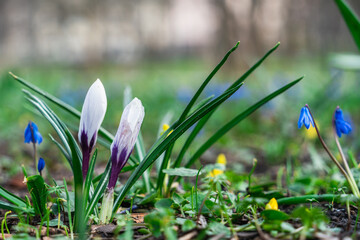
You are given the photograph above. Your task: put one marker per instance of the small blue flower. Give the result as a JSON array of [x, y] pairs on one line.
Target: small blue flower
[[341, 126], [32, 134], [41, 165], [305, 118]]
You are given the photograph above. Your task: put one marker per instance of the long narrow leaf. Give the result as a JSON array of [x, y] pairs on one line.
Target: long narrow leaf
[[203, 121], [203, 85], [88, 181], [351, 19], [100, 188], [11, 207], [236, 120], [61, 148], [12, 197], [80, 221], [164, 165], [140, 150]]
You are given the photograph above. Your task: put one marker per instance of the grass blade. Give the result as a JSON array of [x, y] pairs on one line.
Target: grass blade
[[11, 207], [203, 85], [140, 150], [100, 188], [203, 121], [12, 197], [88, 181]]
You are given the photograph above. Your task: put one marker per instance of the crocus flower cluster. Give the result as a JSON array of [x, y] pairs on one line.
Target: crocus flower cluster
[[92, 115]]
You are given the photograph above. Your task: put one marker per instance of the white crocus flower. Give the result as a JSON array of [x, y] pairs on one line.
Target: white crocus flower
[[125, 137], [92, 115], [121, 149]]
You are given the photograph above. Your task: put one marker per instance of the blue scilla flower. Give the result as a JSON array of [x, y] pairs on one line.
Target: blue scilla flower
[[341, 126], [41, 165], [32, 134], [305, 118]]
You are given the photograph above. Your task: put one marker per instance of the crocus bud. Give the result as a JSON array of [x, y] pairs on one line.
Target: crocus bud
[[41, 165], [125, 138], [32, 134], [92, 115]]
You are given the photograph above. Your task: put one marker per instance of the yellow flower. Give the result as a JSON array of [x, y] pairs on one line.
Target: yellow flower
[[221, 159], [311, 132], [216, 172], [165, 127], [272, 205]]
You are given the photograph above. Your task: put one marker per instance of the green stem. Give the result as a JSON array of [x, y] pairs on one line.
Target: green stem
[[326, 147], [107, 206], [351, 179]]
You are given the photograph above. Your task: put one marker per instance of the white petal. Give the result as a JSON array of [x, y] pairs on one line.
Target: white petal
[[129, 126], [93, 110]]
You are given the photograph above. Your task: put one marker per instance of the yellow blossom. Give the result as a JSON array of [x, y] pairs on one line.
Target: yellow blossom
[[221, 159], [272, 205], [311, 132], [216, 172], [165, 127]]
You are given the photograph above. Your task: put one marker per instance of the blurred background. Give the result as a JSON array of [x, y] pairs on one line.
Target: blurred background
[[163, 50]]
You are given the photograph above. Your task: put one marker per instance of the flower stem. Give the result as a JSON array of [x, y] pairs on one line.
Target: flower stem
[[327, 149], [107, 206], [34, 144], [34, 156], [351, 179]]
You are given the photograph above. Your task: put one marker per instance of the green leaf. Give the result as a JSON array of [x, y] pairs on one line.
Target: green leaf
[[163, 166], [12, 197], [164, 203], [235, 121], [54, 222], [274, 215], [188, 225], [203, 85], [178, 200], [351, 19], [70, 201], [38, 192], [12, 207], [216, 228], [99, 190], [88, 181], [183, 172]]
